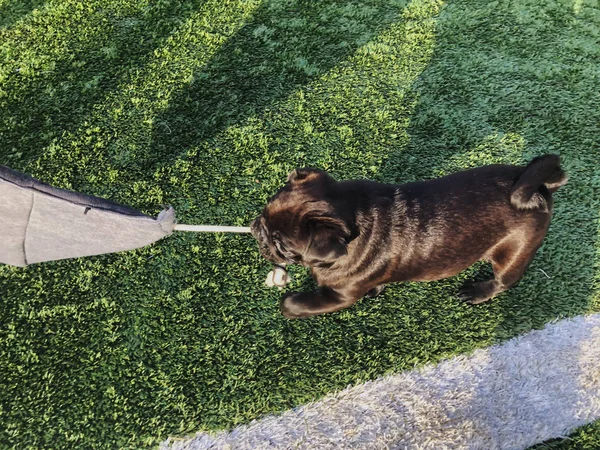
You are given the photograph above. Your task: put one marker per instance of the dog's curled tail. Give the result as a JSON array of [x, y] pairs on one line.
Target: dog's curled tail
[[541, 171]]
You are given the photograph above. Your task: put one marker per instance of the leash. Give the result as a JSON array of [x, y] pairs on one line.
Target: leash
[[210, 229]]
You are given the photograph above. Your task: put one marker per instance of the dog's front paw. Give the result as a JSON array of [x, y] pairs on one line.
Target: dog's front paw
[[290, 308]]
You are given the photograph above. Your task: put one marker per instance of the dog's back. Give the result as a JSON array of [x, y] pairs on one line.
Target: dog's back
[[356, 236]]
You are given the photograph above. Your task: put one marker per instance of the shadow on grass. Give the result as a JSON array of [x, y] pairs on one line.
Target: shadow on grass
[[11, 12], [52, 94], [284, 46]]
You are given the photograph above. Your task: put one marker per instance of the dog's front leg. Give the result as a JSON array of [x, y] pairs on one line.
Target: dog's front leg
[[321, 301]]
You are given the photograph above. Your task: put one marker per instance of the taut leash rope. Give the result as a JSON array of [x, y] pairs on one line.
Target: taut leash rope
[[210, 228]]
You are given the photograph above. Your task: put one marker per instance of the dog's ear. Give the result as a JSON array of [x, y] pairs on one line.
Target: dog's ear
[[304, 174], [328, 240]]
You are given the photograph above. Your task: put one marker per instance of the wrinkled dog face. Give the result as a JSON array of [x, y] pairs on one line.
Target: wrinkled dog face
[[299, 225]]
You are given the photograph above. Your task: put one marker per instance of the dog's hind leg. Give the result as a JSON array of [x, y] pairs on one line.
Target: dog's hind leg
[[510, 260]]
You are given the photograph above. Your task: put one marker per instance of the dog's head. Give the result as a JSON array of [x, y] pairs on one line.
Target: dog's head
[[301, 224]]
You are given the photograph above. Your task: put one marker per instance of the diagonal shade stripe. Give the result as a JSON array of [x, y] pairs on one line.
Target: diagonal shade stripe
[[532, 388]]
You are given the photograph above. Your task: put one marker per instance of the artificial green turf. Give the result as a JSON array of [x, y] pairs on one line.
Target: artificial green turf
[[207, 106]]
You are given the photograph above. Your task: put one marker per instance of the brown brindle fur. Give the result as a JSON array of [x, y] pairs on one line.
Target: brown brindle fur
[[356, 236]]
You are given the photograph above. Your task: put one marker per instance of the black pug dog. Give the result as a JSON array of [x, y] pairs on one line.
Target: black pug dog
[[356, 236]]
